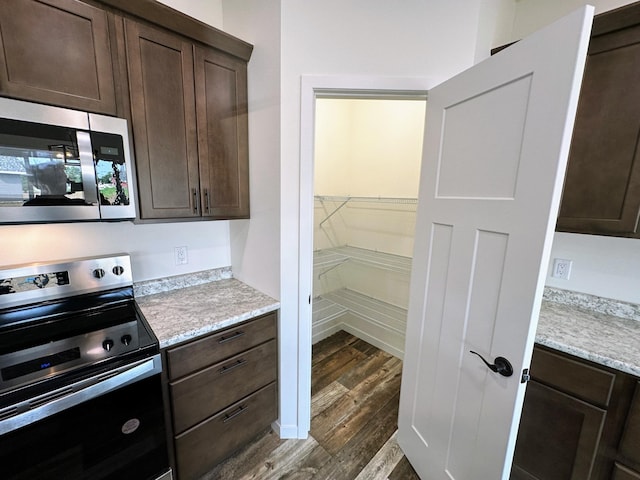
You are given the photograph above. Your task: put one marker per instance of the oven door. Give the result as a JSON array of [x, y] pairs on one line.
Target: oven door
[[110, 430]]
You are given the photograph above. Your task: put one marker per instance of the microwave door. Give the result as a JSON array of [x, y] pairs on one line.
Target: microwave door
[[45, 174]]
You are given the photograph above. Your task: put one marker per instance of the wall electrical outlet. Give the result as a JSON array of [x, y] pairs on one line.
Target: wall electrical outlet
[[561, 268], [181, 255]]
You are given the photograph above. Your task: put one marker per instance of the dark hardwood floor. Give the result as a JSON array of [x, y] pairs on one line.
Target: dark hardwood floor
[[354, 407]]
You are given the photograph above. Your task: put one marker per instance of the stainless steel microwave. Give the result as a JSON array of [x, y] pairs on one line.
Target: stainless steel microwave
[[61, 165]]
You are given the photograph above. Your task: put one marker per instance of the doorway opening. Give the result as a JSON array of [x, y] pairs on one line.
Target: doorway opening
[[367, 156]]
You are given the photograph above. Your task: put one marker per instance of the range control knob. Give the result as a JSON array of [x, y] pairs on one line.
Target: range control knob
[[99, 273], [118, 270], [107, 344], [126, 339]]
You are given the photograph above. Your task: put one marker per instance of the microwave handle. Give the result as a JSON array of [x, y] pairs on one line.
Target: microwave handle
[[87, 167], [66, 397]]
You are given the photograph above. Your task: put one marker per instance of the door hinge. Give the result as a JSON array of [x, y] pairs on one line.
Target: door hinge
[[525, 376], [309, 299]]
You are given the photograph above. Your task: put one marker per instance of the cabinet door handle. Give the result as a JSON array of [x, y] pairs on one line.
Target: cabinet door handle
[[234, 365], [196, 200], [500, 365], [207, 201], [235, 413], [233, 336]]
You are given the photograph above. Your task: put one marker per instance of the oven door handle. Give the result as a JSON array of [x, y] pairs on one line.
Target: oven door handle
[[37, 408]]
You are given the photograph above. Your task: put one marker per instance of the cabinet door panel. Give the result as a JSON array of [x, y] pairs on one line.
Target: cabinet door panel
[[558, 437], [164, 128], [221, 94], [57, 52], [602, 185], [630, 444]]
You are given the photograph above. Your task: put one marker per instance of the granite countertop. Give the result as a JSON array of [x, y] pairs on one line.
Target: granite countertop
[[185, 313], [181, 308], [590, 331]]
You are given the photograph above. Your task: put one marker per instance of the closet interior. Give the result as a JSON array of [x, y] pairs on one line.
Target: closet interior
[[367, 159]]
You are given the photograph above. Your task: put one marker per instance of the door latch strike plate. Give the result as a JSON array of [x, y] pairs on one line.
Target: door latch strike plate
[[525, 376]]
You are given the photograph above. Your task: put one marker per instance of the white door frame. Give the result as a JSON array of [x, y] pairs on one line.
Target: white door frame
[[313, 86]]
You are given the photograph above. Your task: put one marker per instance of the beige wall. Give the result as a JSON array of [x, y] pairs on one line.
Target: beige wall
[[368, 147]]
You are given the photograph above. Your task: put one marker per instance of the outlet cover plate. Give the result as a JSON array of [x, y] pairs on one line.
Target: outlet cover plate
[[181, 255], [561, 268]]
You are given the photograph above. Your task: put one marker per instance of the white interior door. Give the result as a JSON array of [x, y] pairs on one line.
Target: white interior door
[[496, 144]]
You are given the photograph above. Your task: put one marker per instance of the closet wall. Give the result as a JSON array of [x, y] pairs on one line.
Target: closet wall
[[367, 164]]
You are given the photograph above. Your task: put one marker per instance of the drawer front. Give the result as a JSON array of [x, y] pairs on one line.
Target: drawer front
[[205, 393], [201, 353], [630, 444], [201, 448], [575, 378], [620, 472]]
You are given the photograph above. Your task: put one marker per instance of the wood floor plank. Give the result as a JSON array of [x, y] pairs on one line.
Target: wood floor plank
[[361, 448], [326, 420], [403, 471], [330, 345], [364, 369], [247, 458], [335, 427], [383, 463], [365, 347], [326, 397], [330, 368], [299, 459]]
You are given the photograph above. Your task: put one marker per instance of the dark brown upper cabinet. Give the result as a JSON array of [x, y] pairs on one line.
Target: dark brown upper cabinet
[[57, 52], [160, 66], [602, 185], [221, 108], [189, 117]]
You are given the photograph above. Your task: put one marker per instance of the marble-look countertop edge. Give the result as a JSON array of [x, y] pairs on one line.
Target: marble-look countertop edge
[[214, 327]]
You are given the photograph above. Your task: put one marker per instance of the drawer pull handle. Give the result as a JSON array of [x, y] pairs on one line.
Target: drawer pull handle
[[236, 364], [234, 414], [233, 336]]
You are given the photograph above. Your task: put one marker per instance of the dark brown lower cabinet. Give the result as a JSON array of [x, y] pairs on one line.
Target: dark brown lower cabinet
[[561, 433], [573, 419], [200, 448], [620, 472], [629, 450], [222, 389]]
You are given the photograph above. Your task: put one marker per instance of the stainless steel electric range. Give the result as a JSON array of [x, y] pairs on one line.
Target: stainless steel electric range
[[80, 388]]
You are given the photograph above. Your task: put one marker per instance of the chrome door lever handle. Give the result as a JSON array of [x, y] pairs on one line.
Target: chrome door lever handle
[[500, 365]]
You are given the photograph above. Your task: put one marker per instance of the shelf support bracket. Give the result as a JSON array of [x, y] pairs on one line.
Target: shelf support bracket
[[334, 212]]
